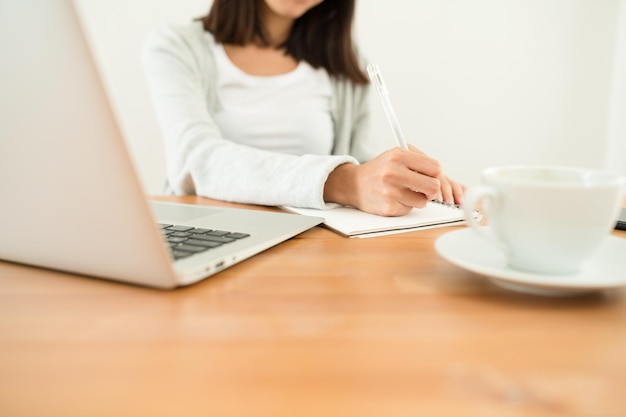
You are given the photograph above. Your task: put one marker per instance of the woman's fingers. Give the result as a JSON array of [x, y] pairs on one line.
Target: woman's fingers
[[451, 191]]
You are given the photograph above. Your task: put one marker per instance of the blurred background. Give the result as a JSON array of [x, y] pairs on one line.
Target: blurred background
[[475, 83]]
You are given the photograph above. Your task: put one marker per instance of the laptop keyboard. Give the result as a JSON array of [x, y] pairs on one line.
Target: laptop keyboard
[[185, 241]]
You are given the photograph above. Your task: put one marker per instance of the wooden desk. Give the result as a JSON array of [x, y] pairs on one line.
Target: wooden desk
[[318, 326]]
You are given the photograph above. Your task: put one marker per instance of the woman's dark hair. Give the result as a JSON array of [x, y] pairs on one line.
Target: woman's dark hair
[[322, 36]]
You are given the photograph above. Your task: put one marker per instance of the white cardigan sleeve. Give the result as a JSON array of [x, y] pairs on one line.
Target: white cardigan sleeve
[[180, 71]]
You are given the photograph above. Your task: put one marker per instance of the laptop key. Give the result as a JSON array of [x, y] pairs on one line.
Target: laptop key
[[179, 234], [190, 248], [211, 238], [179, 228], [237, 235], [178, 254], [218, 233], [203, 243]]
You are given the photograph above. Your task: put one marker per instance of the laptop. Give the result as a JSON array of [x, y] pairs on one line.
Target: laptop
[[70, 198]]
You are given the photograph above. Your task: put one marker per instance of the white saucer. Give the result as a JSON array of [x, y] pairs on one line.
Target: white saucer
[[604, 270]]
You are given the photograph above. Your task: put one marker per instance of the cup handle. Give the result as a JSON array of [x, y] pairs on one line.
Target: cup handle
[[489, 199]]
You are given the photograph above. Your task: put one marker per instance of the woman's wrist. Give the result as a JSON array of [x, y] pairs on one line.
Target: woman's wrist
[[341, 185]]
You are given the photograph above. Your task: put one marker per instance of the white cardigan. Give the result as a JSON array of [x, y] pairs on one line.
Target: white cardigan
[[181, 73]]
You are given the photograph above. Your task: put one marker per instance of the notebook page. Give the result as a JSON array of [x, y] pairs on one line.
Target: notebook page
[[351, 222]]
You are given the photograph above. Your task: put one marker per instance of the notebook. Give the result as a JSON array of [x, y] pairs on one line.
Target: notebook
[[351, 222], [71, 199]]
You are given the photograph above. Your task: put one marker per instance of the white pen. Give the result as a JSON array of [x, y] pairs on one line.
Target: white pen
[[377, 79]]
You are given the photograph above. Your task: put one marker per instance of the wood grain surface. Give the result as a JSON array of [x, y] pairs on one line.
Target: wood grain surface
[[320, 325]]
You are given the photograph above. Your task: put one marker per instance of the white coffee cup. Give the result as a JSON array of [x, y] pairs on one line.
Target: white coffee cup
[[546, 219]]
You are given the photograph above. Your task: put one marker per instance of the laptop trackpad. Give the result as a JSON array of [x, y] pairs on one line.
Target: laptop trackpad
[[172, 212]]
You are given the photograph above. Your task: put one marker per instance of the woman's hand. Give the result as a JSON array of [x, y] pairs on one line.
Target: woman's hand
[[392, 183]]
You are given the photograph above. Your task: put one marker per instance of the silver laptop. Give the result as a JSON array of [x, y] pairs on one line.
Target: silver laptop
[[70, 198]]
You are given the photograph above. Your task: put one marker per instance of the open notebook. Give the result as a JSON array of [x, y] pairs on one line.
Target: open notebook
[[351, 222]]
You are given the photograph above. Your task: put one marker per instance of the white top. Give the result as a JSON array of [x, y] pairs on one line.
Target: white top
[[182, 74], [287, 113]]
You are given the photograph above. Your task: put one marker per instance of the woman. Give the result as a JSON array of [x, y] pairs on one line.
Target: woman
[[265, 102]]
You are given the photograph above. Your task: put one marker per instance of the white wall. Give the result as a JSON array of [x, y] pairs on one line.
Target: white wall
[[616, 149], [475, 83], [116, 30]]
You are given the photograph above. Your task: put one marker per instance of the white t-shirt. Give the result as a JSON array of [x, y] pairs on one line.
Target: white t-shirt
[[287, 113]]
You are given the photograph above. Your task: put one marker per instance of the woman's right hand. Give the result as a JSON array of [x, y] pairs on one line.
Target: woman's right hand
[[391, 184]]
